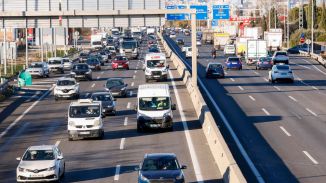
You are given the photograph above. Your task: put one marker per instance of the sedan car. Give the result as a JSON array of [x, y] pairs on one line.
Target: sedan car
[[117, 87], [233, 63], [94, 63], [66, 88], [161, 167], [81, 71], [264, 63], [43, 163], [120, 62], [83, 57], [214, 69], [280, 72], [39, 69], [108, 102], [67, 64]]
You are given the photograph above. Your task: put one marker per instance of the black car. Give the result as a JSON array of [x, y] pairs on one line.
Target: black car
[[108, 102], [117, 87], [180, 41], [298, 48], [215, 70], [81, 72], [83, 57], [161, 167]]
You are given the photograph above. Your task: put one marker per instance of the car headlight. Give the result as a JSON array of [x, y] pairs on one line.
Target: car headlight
[[72, 73], [51, 168], [71, 123], [97, 122], [143, 178], [124, 88], [148, 71], [21, 169]]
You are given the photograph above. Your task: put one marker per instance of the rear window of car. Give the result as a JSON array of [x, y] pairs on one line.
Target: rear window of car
[[234, 60], [281, 53], [283, 67]]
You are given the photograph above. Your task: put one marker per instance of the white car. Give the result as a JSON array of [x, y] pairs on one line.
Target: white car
[[43, 163], [67, 64], [198, 42], [39, 69], [280, 72], [56, 65], [184, 48], [189, 52], [66, 88]]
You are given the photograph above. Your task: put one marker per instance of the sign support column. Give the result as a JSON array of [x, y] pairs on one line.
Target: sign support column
[[26, 47], [5, 51], [194, 49]]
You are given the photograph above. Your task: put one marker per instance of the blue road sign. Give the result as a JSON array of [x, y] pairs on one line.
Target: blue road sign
[[214, 23], [182, 16], [201, 11], [221, 12]]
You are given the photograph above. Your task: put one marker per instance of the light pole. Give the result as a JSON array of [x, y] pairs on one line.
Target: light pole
[[312, 26], [288, 25]]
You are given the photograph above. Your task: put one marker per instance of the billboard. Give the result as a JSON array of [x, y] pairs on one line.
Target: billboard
[[221, 12]]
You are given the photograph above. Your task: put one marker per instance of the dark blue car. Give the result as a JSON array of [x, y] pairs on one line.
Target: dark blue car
[[233, 63], [298, 48], [162, 167]]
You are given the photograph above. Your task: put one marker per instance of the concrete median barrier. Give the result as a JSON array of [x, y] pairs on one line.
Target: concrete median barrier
[[221, 153]]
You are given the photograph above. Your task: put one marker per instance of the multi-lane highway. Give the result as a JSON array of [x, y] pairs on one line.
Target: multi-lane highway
[[33, 117], [281, 126]]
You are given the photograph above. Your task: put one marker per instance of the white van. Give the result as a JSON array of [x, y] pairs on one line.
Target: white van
[[154, 107], [85, 119], [155, 67]]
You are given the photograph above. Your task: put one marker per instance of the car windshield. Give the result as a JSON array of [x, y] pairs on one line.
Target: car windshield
[[158, 164], [283, 67], [38, 155], [264, 59], [129, 44], [154, 103], [120, 58], [215, 66], [102, 97], [84, 111], [65, 82], [114, 82], [54, 61], [281, 53], [36, 65], [155, 63], [80, 67]]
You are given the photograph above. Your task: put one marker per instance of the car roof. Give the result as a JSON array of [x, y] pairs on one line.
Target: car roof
[[160, 155], [115, 79], [42, 147], [153, 90]]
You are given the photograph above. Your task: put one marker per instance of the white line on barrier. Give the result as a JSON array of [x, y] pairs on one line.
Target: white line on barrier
[[232, 79], [312, 112], [25, 112], [134, 77], [135, 71], [310, 157], [285, 131], [292, 98], [252, 98], [117, 172], [315, 88], [266, 79], [125, 123], [266, 112], [256, 72], [128, 105], [57, 143], [240, 88], [192, 151], [122, 143], [98, 77]]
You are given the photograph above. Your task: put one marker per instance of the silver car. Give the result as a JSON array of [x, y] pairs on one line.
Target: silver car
[[108, 102], [39, 69], [67, 63]]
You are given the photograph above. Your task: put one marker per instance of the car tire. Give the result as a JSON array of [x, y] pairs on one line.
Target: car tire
[[101, 137], [170, 129], [127, 68], [64, 171], [56, 98], [146, 80], [77, 96], [140, 129], [256, 68], [272, 80]]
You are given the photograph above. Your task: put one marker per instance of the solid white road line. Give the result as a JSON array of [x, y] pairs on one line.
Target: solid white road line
[[135, 71], [132, 84], [315, 88], [226, 73], [232, 79], [312, 112], [125, 123], [292, 98], [117, 172], [252, 98], [240, 88], [277, 88], [57, 143], [266, 112], [128, 105], [191, 148], [122, 143], [93, 85], [25, 112], [256, 72], [285, 131], [310, 157], [315, 67]]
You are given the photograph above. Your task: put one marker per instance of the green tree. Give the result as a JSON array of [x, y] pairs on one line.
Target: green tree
[[273, 14], [264, 23], [322, 23]]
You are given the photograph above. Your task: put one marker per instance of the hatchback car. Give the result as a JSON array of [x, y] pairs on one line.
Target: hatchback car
[[67, 63], [280, 72], [39, 69], [94, 63], [117, 87], [81, 71], [66, 88], [264, 63], [215, 70], [233, 63], [108, 102], [120, 62], [161, 167], [43, 163]]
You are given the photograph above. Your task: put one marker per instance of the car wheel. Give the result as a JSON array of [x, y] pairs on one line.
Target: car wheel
[[146, 80], [127, 68], [273, 81], [256, 68], [64, 170], [102, 135], [140, 129], [56, 98], [170, 129], [77, 96]]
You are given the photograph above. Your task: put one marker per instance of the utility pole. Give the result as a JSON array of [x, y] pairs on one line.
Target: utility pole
[[5, 50], [288, 25], [312, 26], [26, 47]]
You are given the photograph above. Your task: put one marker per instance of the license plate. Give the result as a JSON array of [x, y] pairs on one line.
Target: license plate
[[120, 66], [156, 76], [266, 63], [54, 69], [37, 175], [283, 73], [85, 133], [234, 63], [154, 125]]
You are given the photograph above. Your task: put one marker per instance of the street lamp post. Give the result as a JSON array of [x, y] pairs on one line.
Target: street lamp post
[[312, 26], [288, 25]]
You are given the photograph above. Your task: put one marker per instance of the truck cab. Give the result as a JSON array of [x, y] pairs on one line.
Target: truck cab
[[154, 107], [155, 67], [85, 119], [129, 48]]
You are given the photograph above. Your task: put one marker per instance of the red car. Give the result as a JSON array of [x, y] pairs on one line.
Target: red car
[[120, 62]]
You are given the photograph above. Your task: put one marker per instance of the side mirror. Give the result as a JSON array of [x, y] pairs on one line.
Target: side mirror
[[183, 167], [168, 66], [60, 158], [18, 158], [173, 107]]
